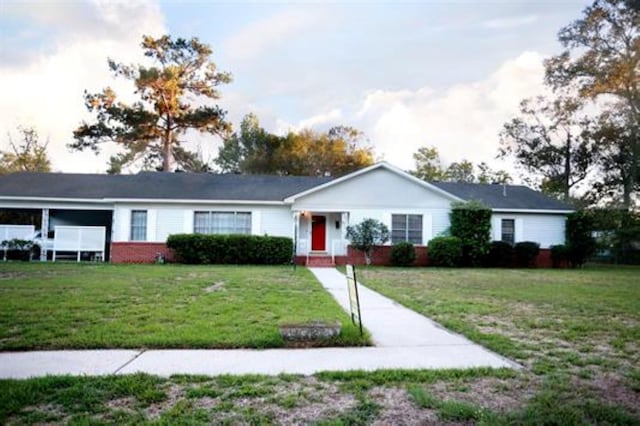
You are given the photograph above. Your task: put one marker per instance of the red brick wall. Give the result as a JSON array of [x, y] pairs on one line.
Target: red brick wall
[[145, 252], [139, 252], [382, 257]]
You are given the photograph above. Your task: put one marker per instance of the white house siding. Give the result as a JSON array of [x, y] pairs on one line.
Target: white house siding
[[166, 219], [545, 229], [377, 195]]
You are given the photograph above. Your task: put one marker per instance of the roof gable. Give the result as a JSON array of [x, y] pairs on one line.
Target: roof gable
[[377, 166]]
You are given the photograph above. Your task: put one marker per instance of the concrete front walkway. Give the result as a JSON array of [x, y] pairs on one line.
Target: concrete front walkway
[[403, 339]]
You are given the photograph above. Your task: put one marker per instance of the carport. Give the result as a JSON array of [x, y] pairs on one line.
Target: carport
[[48, 219]]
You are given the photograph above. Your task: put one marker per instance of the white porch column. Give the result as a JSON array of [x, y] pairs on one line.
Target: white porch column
[[344, 222], [44, 234], [296, 231]]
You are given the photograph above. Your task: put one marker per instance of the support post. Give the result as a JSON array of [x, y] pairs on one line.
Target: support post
[[344, 222], [44, 234], [296, 218]]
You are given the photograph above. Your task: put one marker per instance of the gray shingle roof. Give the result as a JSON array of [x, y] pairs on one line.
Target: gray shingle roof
[[517, 197], [157, 185]]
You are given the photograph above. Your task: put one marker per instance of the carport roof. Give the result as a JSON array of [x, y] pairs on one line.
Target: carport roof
[[156, 185]]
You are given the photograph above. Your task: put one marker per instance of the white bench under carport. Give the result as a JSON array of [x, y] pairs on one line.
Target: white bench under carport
[[15, 232], [79, 239]]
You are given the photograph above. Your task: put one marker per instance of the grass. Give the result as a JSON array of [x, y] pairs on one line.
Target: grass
[[575, 332], [59, 306]]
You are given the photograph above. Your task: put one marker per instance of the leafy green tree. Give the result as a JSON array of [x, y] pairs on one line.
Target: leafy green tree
[[429, 168], [253, 150], [428, 165], [339, 151], [471, 222], [367, 234], [613, 139], [548, 142], [602, 61], [462, 171], [487, 175], [28, 155], [172, 93], [579, 235]]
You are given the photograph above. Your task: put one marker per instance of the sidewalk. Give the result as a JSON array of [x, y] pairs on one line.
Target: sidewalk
[[403, 339]]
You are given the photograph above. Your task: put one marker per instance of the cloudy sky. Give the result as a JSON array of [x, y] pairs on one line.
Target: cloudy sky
[[409, 74]]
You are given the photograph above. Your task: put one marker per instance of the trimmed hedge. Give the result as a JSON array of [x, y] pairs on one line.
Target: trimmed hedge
[[500, 255], [231, 249], [445, 251], [526, 253], [403, 254]]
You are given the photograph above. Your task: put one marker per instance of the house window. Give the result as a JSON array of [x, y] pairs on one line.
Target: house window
[[406, 227], [222, 222], [509, 231], [138, 225]]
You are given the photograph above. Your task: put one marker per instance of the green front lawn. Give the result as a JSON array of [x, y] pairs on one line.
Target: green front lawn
[[56, 306], [576, 332]]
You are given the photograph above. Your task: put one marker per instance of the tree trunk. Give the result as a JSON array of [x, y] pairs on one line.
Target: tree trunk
[[567, 168], [166, 149]]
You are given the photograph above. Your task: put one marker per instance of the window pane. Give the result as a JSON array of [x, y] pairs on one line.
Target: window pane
[[398, 236], [398, 221], [415, 221], [138, 225], [201, 222], [223, 222], [508, 230], [415, 237], [243, 223]]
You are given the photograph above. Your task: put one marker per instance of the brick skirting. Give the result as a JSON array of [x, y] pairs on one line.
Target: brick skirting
[[139, 252], [145, 252], [382, 257]]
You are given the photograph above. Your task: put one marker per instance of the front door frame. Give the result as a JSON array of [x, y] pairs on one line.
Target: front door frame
[[326, 233]]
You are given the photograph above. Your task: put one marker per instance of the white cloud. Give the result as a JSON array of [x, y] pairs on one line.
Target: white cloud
[[462, 121], [46, 91], [256, 38]]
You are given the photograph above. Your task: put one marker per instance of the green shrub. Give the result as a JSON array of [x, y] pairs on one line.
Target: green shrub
[[580, 242], [367, 234], [231, 249], [471, 222], [403, 254], [445, 251], [500, 255], [559, 255], [18, 249], [526, 253]]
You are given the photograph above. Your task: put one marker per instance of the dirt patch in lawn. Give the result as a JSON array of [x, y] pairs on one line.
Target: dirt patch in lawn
[[398, 409], [174, 394], [613, 390], [492, 393], [125, 404]]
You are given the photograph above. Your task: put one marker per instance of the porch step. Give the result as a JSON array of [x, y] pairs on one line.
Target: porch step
[[320, 261]]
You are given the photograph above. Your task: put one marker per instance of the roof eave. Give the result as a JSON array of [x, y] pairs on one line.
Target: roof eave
[[545, 211]]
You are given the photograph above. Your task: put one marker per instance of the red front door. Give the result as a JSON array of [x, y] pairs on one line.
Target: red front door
[[318, 233]]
